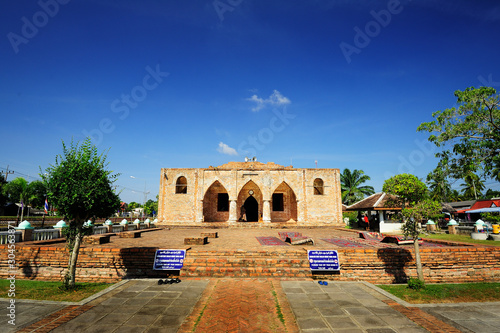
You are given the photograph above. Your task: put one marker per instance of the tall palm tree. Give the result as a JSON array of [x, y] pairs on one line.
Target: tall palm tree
[[352, 190], [472, 186], [495, 174], [440, 188]]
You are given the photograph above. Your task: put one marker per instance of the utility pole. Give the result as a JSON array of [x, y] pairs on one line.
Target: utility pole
[[7, 172]]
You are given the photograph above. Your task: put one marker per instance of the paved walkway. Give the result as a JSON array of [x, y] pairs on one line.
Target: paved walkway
[[250, 305]]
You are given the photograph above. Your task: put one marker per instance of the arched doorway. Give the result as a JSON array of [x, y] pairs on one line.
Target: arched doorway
[[283, 204], [216, 203], [250, 200], [251, 209]]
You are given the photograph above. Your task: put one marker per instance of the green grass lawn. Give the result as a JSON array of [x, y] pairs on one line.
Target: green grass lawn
[[447, 293], [50, 291], [460, 238]]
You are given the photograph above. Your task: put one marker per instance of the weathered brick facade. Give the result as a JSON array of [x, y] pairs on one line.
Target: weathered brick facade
[[268, 192], [440, 265]]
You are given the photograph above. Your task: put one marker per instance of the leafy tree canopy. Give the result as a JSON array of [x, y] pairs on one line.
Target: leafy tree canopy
[[3, 196], [472, 187], [439, 186], [491, 194], [133, 205], [79, 185], [423, 210], [36, 193], [408, 188], [351, 184], [16, 190], [469, 133], [151, 206]]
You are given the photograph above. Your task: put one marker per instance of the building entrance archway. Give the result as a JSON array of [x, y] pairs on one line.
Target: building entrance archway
[[251, 209]]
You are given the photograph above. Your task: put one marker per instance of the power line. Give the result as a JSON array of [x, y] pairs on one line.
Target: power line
[[7, 172], [10, 172]]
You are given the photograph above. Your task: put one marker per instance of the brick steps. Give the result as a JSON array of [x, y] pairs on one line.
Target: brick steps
[[246, 264]]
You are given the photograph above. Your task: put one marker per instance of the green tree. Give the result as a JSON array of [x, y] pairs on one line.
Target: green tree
[[351, 185], [79, 186], [454, 196], [408, 188], [425, 209], [410, 191], [439, 186], [3, 196], [151, 206], [491, 194], [495, 174], [36, 192], [469, 134], [472, 187], [16, 190], [133, 205]]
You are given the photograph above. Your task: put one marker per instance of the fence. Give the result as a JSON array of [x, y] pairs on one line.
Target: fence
[[4, 236], [45, 234], [100, 230], [117, 228]]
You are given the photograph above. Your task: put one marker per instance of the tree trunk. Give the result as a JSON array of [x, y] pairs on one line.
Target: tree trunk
[[73, 260], [420, 272]]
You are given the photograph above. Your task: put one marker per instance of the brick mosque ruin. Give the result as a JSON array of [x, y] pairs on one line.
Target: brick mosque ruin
[[251, 191]]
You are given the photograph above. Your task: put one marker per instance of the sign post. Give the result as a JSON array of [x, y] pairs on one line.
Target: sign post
[[169, 259], [323, 260]]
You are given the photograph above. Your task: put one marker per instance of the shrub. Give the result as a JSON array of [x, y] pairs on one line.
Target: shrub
[[415, 284]]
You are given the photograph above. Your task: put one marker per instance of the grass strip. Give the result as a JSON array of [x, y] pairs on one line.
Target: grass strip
[[460, 238], [50, 291], [278, 308], [198, 319], [447, 293]]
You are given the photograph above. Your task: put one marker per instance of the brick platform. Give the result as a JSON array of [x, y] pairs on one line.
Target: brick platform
[[210, 234], [196, 240], [130, 234], [97, 239], [237, 253]]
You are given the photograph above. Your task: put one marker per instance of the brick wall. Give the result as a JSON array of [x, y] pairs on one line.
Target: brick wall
[[460, 264]]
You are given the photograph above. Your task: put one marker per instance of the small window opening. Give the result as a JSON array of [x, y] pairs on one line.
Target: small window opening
[[318, 186], [181, 185], [222, 202], [278, 202]]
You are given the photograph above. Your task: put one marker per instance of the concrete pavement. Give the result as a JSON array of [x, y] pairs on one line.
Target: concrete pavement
[[145, 306]]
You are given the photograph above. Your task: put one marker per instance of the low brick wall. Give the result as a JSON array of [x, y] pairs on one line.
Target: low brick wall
[[453, 264], [195, 240]]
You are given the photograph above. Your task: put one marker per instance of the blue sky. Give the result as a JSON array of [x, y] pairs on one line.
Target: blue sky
[[199, 83]]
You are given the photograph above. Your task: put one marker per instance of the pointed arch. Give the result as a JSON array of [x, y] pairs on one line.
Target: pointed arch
[[283, 204], [254, 205], [216, 203]]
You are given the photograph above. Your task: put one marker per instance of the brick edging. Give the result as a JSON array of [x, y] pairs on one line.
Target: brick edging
[[56, 319], [190, 321], [422, 318]]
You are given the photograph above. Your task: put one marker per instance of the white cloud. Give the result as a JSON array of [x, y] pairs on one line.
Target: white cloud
[[276, 99], [225, 149], [260, 103]]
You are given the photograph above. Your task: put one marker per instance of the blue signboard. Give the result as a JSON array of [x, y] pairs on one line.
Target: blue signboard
[[327, 260], [169, 259]]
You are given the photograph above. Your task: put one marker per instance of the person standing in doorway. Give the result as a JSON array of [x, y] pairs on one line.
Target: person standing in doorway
[[365, 218]]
